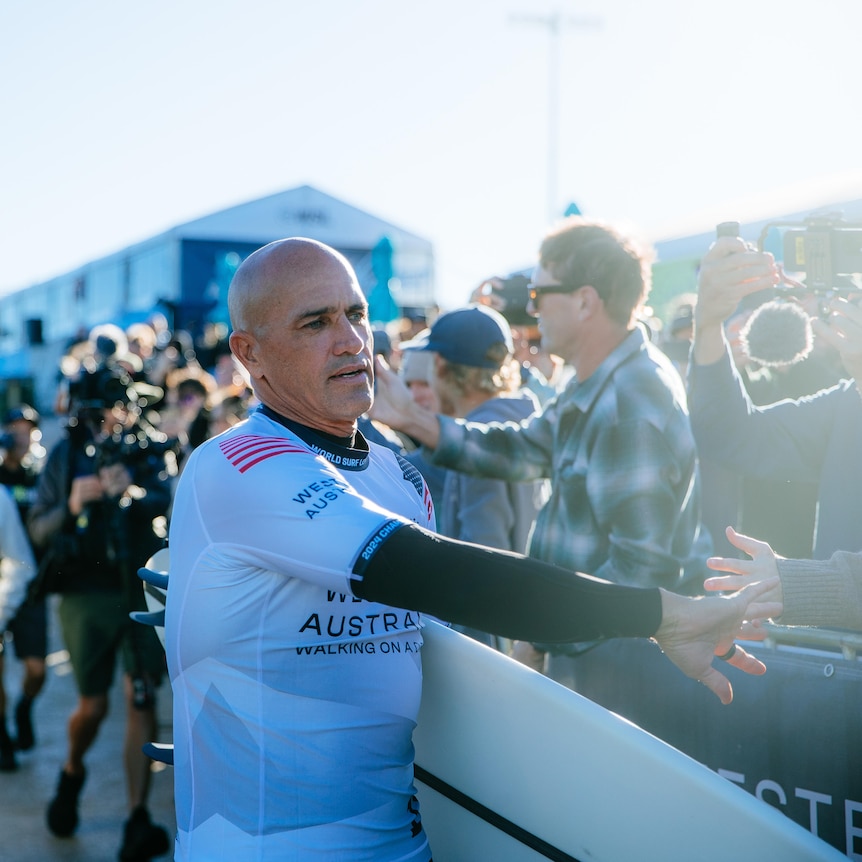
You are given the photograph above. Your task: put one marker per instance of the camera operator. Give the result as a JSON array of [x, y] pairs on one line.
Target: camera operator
[[100, 500], [814, 438]]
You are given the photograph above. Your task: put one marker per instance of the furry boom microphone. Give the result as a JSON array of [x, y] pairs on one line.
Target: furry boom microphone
[[778, 334]]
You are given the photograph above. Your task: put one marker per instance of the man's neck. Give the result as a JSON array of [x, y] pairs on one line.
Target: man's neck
[[590, 355], [298, 427]]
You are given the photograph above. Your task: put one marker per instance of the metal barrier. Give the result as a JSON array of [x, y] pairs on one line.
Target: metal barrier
[[849, 644]]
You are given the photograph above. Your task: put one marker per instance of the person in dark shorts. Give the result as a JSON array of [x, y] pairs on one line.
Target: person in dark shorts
[[100, 507]]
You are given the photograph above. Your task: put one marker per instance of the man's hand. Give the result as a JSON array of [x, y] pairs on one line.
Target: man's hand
[[730, 270], [115, 480], [843, 330], [694, 631], [394, 406], [761, 567], [85, 489]]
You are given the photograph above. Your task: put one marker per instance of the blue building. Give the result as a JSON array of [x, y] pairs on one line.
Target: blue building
[[185, 272]]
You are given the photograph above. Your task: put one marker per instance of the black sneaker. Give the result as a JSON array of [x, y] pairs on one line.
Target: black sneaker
[[25, 739], [142, 839], [62, 814]]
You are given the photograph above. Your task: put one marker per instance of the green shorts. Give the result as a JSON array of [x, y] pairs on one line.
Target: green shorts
[[95, 626]]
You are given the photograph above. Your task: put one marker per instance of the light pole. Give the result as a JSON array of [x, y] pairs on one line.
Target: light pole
[[554, 23]]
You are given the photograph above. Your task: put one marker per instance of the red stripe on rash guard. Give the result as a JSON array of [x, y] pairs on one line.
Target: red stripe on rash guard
[[246, 451]]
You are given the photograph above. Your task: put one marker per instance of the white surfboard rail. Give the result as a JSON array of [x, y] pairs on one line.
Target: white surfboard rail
[[513, 767]]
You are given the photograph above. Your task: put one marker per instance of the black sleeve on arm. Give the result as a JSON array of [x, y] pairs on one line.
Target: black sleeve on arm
[[497, 591]]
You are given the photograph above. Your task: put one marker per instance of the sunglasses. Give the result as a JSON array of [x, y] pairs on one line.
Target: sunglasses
[[537, 290]]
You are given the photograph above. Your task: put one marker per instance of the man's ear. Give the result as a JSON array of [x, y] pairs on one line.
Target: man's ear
[[589, 301], [244, 347]]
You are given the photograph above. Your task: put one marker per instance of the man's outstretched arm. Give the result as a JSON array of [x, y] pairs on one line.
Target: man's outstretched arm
[[526, 599]]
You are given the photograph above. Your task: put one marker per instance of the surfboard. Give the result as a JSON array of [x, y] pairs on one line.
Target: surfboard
[[513, 767]]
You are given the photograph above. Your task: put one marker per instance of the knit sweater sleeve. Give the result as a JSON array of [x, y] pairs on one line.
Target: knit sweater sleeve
[[823, 592]]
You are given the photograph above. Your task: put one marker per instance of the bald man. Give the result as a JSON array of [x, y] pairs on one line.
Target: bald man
[[302, 560]]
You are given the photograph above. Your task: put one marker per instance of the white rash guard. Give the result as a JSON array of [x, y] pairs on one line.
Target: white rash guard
[[294, 701]]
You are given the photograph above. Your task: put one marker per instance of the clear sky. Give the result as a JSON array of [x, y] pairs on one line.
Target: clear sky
[[121, 120]]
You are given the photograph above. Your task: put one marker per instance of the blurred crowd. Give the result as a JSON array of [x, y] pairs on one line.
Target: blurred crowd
[[136, 402]]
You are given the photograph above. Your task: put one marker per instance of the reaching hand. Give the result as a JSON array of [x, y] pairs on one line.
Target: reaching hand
[[115, 480], [761, 567], [394, 406], [730, 270], [392, 398], [85, 489], [843, 330], [694, 631]]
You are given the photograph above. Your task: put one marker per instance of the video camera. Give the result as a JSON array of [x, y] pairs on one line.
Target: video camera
[[825, 252], [133, 446], [99, 389], [104, 388], [824, 249], [515, 294]]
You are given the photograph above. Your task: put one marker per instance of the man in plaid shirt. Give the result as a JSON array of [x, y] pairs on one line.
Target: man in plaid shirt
[[616, 443]]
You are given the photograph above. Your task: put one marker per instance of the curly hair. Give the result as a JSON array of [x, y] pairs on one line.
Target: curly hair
[[502, 380], [580, 251]]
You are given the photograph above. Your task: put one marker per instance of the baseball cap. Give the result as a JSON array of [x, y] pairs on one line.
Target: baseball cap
[[465, 335], [22, 411]]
